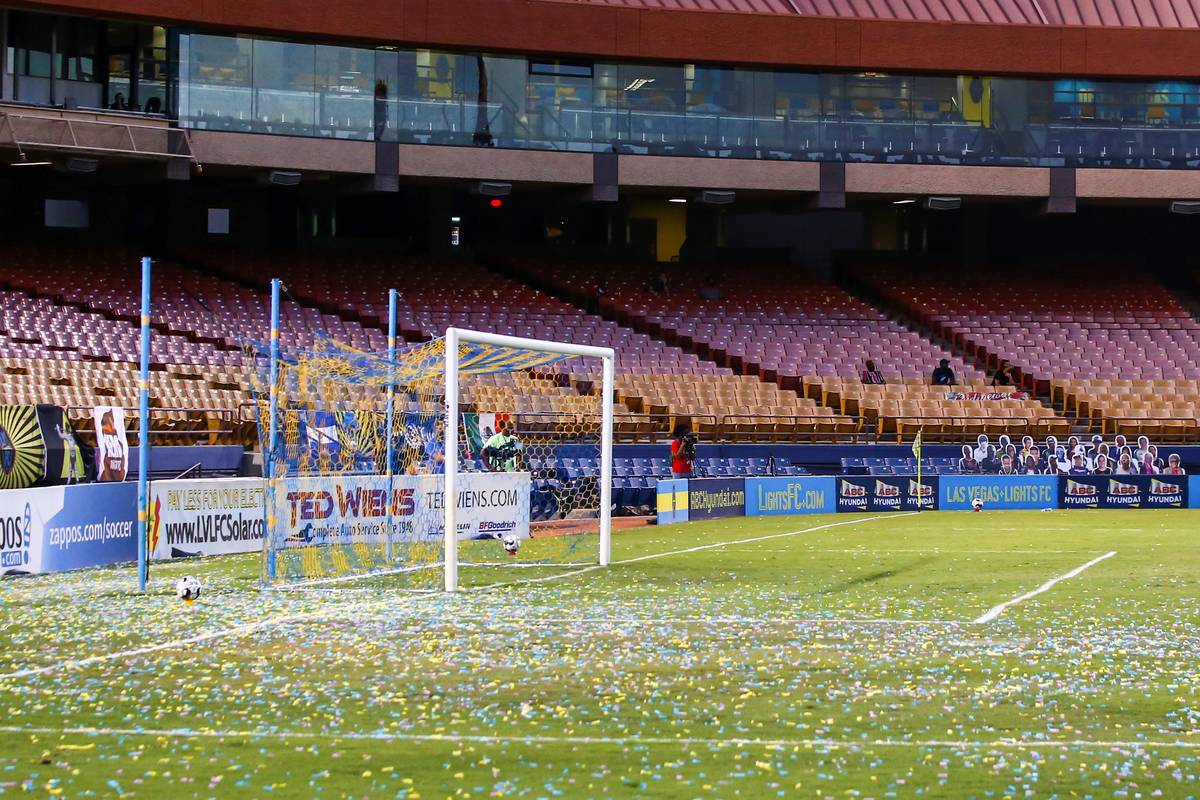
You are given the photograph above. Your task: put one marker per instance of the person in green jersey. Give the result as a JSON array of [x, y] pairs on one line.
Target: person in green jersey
[[502, 452]]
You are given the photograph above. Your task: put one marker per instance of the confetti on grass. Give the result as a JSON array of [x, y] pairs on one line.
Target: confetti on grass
[[841, 663]]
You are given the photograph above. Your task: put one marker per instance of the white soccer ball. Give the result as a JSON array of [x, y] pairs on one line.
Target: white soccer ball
[[977, 504], [512, 543], [187, 588]]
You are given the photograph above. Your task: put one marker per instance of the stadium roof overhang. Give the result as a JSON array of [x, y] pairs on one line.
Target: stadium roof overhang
[[1124, 38]]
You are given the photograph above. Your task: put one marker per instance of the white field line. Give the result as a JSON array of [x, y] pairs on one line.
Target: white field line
[[768, 537], [933, 551], [241, 630], [996, 611], [526, 622], [683, 741], [366, 576]]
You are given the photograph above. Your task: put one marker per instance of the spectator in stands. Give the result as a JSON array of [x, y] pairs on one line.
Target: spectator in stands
[[1173, 465], [1143, 447], [1078, 465], [1125, 465], [1101, 467], [943, 375], [990, 464], [683, 450], [871, 375], [1003, 376], [1098, 449], [1030, 465], [1059, 463], [1027, 448], [1006, 466], [1114, 451], [1158, 462], [710, 290], [599, 292], [1146, 466], [1010, 450], [118, 102], [981, 448], [1072, 445], [1050, 448], [1003, 444], [659, 284], [968, 464]]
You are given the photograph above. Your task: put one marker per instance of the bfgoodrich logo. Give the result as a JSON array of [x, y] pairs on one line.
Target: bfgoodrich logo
[[487, 526]]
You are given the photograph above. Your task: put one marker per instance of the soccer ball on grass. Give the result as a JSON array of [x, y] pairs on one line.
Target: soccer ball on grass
[[977, 504], [512, 543], [187, 588]]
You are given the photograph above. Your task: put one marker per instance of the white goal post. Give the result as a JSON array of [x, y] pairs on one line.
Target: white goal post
[[458, 336]]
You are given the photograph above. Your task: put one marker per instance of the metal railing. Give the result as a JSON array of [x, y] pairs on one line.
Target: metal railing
[[228, 419]]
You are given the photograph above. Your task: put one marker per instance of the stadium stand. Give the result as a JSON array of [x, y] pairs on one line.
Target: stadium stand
[[657, 381], [1117, 351], [800, 332]]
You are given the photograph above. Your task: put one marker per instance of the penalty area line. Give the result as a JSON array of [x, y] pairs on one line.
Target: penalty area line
[[765, 538], [623, 741], [996, 611]]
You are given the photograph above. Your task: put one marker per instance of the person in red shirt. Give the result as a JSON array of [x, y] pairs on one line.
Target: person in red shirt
[[683, 450]]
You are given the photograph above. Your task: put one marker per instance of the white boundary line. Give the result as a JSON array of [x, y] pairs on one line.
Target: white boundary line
[[784, 535], [996, 611], [242, 630], [384, 736]]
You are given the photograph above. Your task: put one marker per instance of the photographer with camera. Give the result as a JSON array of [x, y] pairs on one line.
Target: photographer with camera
[[683, 450], [502, 452]]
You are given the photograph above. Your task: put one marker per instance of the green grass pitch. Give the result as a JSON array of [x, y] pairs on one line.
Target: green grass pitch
[[832, 656]]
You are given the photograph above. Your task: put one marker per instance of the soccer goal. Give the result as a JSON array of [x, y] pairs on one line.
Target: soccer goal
[[362, 451]]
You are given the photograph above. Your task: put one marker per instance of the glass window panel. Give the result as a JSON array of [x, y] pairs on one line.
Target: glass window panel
[[345, 81], [218, 93], [77, 44], [561, 103], [29, 35], [153, 65], [284, 88]]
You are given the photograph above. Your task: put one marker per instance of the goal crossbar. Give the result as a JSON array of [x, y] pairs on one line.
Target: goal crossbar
[[457, 336]]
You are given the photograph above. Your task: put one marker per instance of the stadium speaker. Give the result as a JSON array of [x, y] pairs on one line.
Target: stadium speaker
[[76, 164], [713, 197], [494, 189], [283, 177], [943, 203], [1185, 207]]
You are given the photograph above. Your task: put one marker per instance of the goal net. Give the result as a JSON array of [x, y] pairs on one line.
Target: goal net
[[361, 450]]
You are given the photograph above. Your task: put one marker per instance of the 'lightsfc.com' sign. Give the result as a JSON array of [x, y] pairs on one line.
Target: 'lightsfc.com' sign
[[782, 496]]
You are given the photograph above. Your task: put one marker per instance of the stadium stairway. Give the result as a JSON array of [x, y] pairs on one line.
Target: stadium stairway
[[812, 352], [977, 355]]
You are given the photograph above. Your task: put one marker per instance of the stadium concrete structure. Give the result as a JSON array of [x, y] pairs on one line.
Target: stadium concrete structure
[[519, 165]]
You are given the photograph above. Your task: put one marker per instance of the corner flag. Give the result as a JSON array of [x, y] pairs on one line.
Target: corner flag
[[916, 449]]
